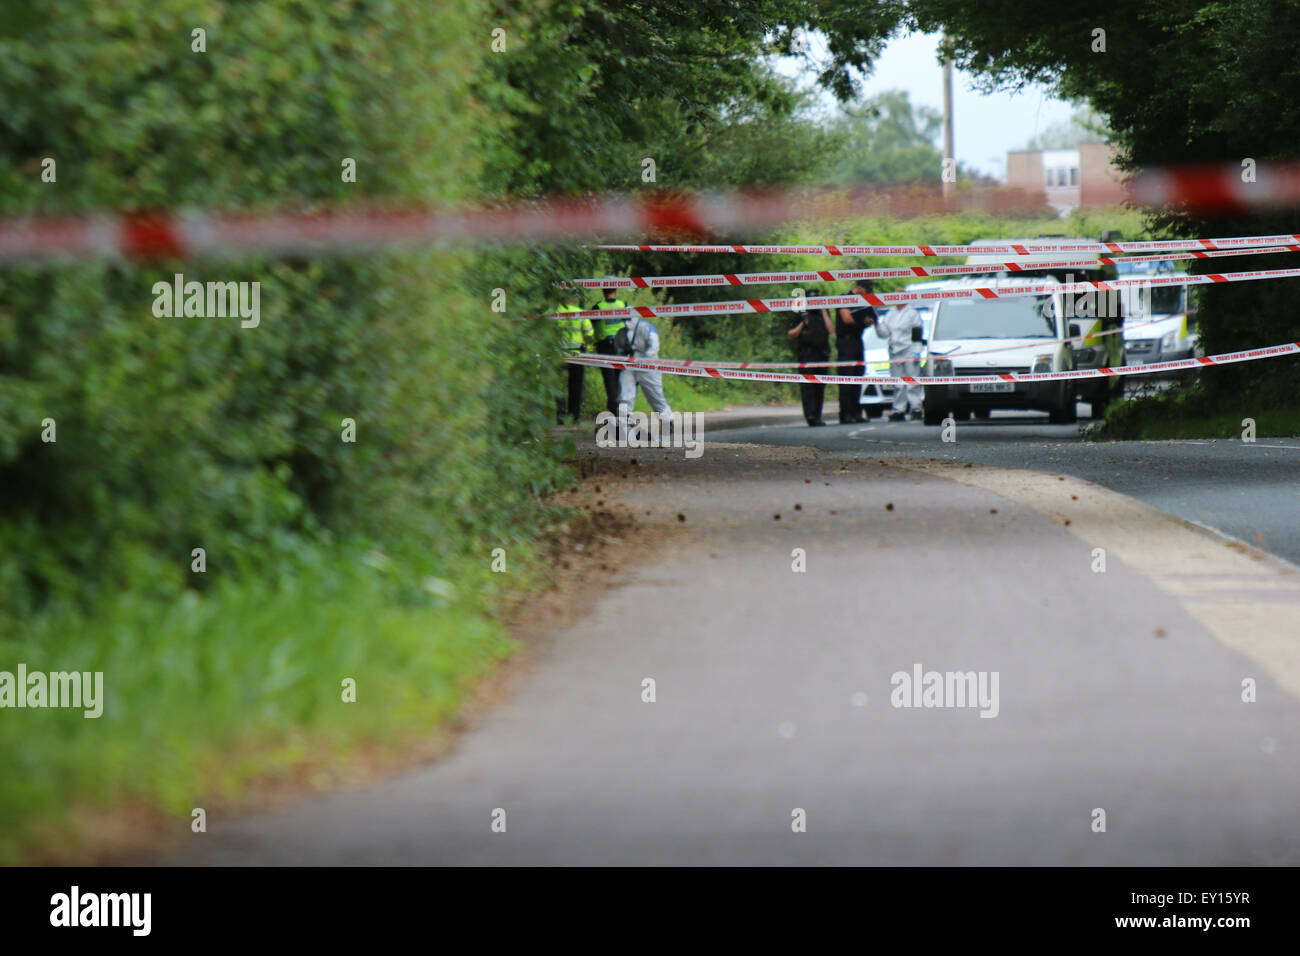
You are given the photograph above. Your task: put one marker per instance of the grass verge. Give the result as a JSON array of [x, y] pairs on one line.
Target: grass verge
[[207, 695], [1192, 411]]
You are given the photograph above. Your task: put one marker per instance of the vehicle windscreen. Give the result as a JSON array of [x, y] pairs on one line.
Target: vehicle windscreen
[[1022, 317], [1161, 300], [1163, 267]]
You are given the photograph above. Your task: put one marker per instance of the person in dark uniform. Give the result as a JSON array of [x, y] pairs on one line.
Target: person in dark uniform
[[849, 351], [810, 331]]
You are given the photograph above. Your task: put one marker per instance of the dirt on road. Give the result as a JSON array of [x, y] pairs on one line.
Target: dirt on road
[[735, 685]]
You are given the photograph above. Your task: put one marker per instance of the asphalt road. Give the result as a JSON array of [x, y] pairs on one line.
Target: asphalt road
[[1119, 695], [1248, 491]]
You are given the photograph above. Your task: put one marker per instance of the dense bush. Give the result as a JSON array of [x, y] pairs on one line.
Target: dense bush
[[176, 433], [325, 559]]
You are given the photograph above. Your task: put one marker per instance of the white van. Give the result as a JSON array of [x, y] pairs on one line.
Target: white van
[[1159, 323], [995, 336], [1098, 315]]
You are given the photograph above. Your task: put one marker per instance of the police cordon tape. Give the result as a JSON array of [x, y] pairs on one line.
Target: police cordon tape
[[1032, 247], [899, 272], [746, 306], [1127, 327], [1218, 189], [165, 235], [829, 362], [715, 370]]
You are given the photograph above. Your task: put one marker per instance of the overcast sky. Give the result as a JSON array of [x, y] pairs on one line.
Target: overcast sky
[[986, 125]]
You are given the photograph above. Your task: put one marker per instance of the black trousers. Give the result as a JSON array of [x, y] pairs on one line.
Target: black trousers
[[850, 350], [610, 375], [571, 404], [813, 394]]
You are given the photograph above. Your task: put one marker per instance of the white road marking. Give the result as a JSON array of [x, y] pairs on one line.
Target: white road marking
[[1192, 441]]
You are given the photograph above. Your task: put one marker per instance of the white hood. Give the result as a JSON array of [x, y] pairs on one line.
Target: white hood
[[1153, 328], [1010, 352]]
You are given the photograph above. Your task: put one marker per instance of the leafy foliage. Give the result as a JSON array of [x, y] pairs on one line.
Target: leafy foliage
[[182, 433], [175, 433], [592, 87], [889, 141]]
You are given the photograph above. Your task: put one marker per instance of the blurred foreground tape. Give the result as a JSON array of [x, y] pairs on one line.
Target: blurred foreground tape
[[171, 235]]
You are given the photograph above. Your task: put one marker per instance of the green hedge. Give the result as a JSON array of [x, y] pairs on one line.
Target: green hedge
[[176, 433], [325, 559]]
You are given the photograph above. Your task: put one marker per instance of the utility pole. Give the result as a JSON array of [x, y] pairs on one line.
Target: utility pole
[[950, 162]]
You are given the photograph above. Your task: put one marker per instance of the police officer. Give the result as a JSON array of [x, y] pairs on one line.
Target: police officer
[[575, 336], [901, 327], [810, 331], [849, 349], [605, 330]]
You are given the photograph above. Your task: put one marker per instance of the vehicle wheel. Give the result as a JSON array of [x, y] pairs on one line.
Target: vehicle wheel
[[931, 415], [874, 411], [1064, 414], [1099, 406], [983, 413]]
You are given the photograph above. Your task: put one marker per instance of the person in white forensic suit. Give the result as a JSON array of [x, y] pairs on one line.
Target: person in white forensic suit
[[642, 341], [901, 328]]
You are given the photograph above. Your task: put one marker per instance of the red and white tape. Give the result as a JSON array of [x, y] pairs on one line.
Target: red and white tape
[[717, 370], [172, 234], [899, 272], [1028, 248], [875, 299], [1128, 326], [1219, 189], [161, 236]]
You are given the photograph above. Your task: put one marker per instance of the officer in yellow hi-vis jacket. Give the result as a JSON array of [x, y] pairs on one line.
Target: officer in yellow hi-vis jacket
[[575, 336], [606, 329]]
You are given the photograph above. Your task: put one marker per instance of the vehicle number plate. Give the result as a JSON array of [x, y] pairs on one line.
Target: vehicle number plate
[[993, 387]]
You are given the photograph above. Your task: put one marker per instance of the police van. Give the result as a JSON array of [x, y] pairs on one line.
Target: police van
[[1099, 315], [979, 336], [1160, 323]]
